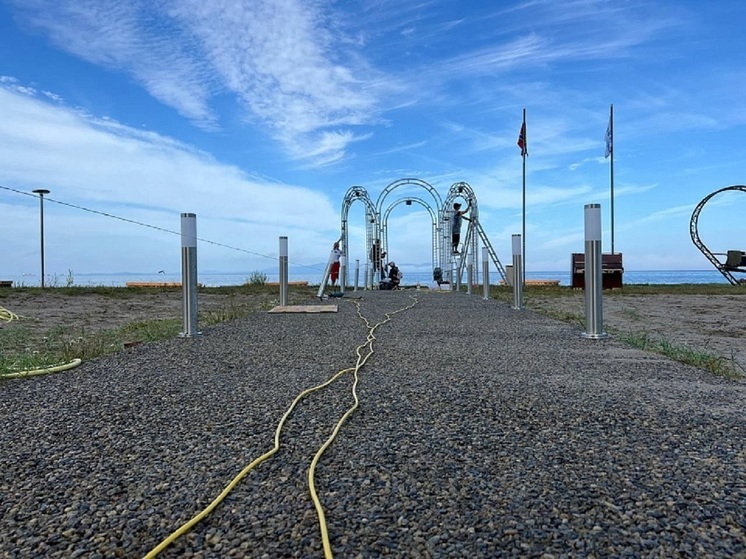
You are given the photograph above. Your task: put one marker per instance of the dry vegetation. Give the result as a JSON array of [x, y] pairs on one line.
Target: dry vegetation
[[701, 324]]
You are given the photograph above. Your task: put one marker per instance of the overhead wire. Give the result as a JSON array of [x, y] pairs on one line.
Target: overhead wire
[[155, 227], [361, 360]]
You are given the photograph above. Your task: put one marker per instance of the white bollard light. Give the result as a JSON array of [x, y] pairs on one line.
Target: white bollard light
[[517, 273], [342, 273], [486, 273], [283, 271], [189, 275], [469, 272], [594, 322]]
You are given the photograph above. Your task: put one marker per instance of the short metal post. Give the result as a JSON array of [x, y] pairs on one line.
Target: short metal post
[[283, 271], [357, 272], [342, 273], [189, 275], [486, 273], [41, 192], [517, 273], [327, 273], [469, 272], [594, 322], [453, 280]]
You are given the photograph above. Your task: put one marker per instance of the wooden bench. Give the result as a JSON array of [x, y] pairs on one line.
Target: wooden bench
[[6, 283], [612, 270]]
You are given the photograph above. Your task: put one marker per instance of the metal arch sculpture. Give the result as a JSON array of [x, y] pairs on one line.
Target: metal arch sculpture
[[408, 182], [376, 225], [457, 190], [722, 268], [460, 190], [473, 233], [353, 194], [419, 184], [408, 201]]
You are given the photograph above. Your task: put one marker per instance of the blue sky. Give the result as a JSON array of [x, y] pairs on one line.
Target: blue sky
[[259, 115]]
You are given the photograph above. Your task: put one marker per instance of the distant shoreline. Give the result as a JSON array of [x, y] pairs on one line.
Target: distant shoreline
[[631, 277]]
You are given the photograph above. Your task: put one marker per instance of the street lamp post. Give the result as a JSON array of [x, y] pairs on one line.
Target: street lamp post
[[41, 192]]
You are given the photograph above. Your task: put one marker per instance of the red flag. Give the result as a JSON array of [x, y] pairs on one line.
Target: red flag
[[522, 140]]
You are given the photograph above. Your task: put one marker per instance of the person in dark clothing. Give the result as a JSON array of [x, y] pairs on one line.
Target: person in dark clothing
[[376, 257], [456, 216], [395, 275]]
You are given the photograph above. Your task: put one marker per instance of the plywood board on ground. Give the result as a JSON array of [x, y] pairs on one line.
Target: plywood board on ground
[[538, 282], [304, 309], [153, 284]]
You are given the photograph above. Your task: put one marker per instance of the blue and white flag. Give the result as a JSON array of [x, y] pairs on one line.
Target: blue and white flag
[[609, 139]]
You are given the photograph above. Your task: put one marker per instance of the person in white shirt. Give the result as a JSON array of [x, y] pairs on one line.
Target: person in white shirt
[[335, 263]]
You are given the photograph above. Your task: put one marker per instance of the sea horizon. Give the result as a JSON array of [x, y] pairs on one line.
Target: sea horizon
[[217, 279]]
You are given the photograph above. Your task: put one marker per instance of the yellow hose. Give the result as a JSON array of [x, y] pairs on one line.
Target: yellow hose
[[319, 509], [6, 315], [45, 371], [311, 471], [197, 518]]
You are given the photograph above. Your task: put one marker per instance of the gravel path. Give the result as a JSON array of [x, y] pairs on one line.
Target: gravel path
[[482, 432]]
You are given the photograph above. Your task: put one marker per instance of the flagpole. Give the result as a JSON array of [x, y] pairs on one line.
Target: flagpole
[[524, 153], [611, 173]]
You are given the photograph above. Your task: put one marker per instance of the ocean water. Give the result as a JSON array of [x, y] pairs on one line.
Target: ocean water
[[410, 278]]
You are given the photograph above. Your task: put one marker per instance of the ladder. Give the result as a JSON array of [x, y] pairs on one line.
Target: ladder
[[474, 225]]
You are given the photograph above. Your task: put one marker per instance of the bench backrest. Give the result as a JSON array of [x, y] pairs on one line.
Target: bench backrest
[[736, 258], [608, 261]]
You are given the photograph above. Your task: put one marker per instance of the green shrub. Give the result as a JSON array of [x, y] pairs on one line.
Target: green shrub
[[257, 278]]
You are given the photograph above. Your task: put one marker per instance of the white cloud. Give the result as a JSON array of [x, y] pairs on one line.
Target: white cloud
[[117, 36], [148, 178], [279, 59], [281, 62]]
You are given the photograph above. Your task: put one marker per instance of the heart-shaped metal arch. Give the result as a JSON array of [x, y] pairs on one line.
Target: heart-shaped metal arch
[[722, 267]]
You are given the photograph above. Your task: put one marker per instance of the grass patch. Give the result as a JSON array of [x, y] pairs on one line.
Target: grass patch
[[505, 293], [25, 348], [542, 299], [632, 314], [715, 364]]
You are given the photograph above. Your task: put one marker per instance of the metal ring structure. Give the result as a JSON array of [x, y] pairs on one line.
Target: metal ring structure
[[721, 267], [355, 193], [408, 200], [376, 217], [418, 183]]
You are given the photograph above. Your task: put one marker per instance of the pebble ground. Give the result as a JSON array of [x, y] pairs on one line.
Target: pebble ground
[[482, 431]]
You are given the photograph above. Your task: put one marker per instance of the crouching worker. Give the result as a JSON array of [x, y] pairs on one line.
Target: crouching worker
[[393, 279]]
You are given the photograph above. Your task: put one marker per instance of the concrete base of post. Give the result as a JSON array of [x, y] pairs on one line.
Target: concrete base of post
[[600, 336]]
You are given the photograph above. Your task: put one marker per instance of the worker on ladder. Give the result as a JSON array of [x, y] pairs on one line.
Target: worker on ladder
[[456, 217]]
